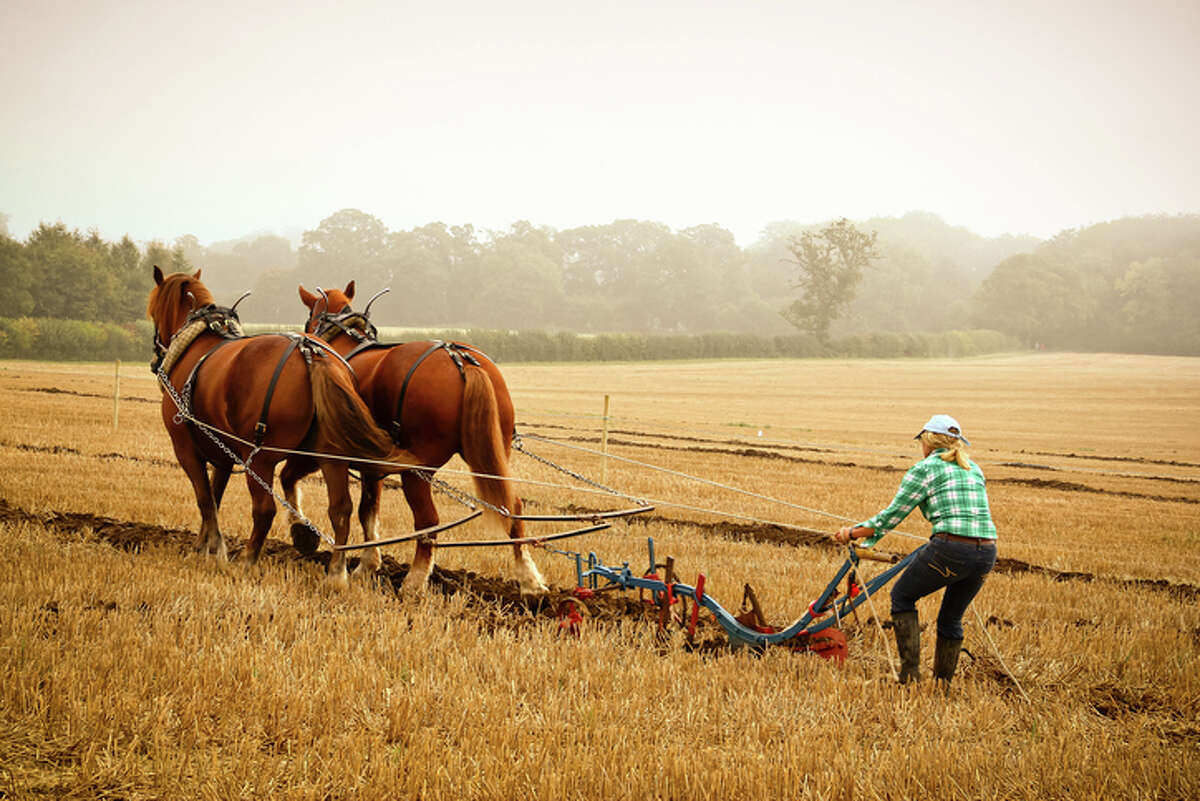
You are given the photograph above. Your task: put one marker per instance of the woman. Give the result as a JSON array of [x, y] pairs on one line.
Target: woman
[[950, 491]]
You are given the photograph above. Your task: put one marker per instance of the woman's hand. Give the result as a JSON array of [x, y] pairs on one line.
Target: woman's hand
[[844, 535]]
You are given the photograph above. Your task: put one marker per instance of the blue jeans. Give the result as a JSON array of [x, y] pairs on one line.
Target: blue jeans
[[960, 567]]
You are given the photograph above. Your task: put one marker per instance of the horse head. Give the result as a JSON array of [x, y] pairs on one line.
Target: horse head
[[326, 303], [172, 299]]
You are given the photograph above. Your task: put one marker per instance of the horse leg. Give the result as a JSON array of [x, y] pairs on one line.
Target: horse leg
[[262, 506], [337, 482], [220, 480], [368, 516], [420, 499], [485, 434], [304, 539], [528, 575], [208, 539]]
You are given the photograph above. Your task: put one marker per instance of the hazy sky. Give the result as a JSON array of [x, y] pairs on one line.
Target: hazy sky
[[159, 119]]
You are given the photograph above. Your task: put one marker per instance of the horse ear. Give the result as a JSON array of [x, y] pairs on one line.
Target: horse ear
[[196, 274], [350, 291], [158, 276], [308, 298]]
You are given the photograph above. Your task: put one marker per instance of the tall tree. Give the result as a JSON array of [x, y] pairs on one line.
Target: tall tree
[[16, 278], [346, 244], [1034, 299], [133, 282], [1158, 309], [830, 264], [73, 276]]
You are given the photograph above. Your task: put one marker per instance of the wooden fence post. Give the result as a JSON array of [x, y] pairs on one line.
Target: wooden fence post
[[116, 392], [604, 445]]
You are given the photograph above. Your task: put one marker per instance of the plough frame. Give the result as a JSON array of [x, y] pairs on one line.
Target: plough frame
[[822, 613]]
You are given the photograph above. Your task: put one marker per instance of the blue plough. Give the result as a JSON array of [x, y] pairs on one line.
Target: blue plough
[[829, 608]]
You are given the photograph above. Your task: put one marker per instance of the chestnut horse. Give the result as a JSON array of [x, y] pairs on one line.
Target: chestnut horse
[[275, 390], [436, 399]]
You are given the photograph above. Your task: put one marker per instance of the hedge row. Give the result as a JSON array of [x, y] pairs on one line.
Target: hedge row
[[540, 346], [74, 340]]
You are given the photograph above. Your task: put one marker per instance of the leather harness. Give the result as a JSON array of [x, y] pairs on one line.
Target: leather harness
[[224, 322], [329, 325], [460, 354]]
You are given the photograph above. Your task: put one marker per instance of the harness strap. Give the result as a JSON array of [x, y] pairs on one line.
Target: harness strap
[[365, 345], [311, 342], [458, 353], [397, 426], [189, 386], [260, 428]]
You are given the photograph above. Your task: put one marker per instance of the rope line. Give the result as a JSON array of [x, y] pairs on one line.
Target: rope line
[[999, 656], [712, 483], [596, 489], [730, 438]]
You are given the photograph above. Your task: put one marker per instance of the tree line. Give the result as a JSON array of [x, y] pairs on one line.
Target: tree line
[[1127, 285]]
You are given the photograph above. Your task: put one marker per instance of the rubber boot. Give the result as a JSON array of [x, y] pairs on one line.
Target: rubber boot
[[945, 660], [908, 643]]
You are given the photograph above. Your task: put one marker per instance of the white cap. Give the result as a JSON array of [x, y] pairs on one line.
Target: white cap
[[944, 424]]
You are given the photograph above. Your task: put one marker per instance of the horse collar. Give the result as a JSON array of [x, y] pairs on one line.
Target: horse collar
[[221, 321], [182, 339]]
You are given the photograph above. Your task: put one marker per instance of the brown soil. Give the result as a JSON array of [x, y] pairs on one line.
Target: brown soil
[[497, 602]]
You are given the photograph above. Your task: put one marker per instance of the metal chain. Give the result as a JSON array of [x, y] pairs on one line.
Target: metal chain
[[465, 498], [474, 501], [519, 445], [184, 414]]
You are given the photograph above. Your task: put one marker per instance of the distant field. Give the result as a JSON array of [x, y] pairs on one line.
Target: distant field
[[131, 668]]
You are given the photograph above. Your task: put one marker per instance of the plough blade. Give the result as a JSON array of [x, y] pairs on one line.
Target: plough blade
[[425, 532]]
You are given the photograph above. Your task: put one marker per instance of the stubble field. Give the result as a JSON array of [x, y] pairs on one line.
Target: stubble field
[[132, 668]]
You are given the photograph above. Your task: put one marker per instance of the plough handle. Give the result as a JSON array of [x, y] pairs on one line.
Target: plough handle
[[871, 556]]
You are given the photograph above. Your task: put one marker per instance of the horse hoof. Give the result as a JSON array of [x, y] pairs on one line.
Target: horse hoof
[[534, 589], [413, 589], [304, 539], [340, 582]]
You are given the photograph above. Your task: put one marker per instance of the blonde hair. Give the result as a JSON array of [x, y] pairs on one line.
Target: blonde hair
[[956, 451]]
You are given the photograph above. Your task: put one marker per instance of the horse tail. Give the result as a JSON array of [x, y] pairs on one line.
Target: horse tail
[[343, 419], [483, 447]]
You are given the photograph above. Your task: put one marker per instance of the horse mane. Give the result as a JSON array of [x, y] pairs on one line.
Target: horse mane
[[176, 285]]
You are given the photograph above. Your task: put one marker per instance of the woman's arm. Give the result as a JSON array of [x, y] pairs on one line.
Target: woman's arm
[[912, 491], [847, 533]]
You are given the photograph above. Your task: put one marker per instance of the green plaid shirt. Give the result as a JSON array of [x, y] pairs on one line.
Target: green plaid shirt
[[952, 499]]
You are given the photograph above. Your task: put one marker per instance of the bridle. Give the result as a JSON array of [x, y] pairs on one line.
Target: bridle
[[357, 325]]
